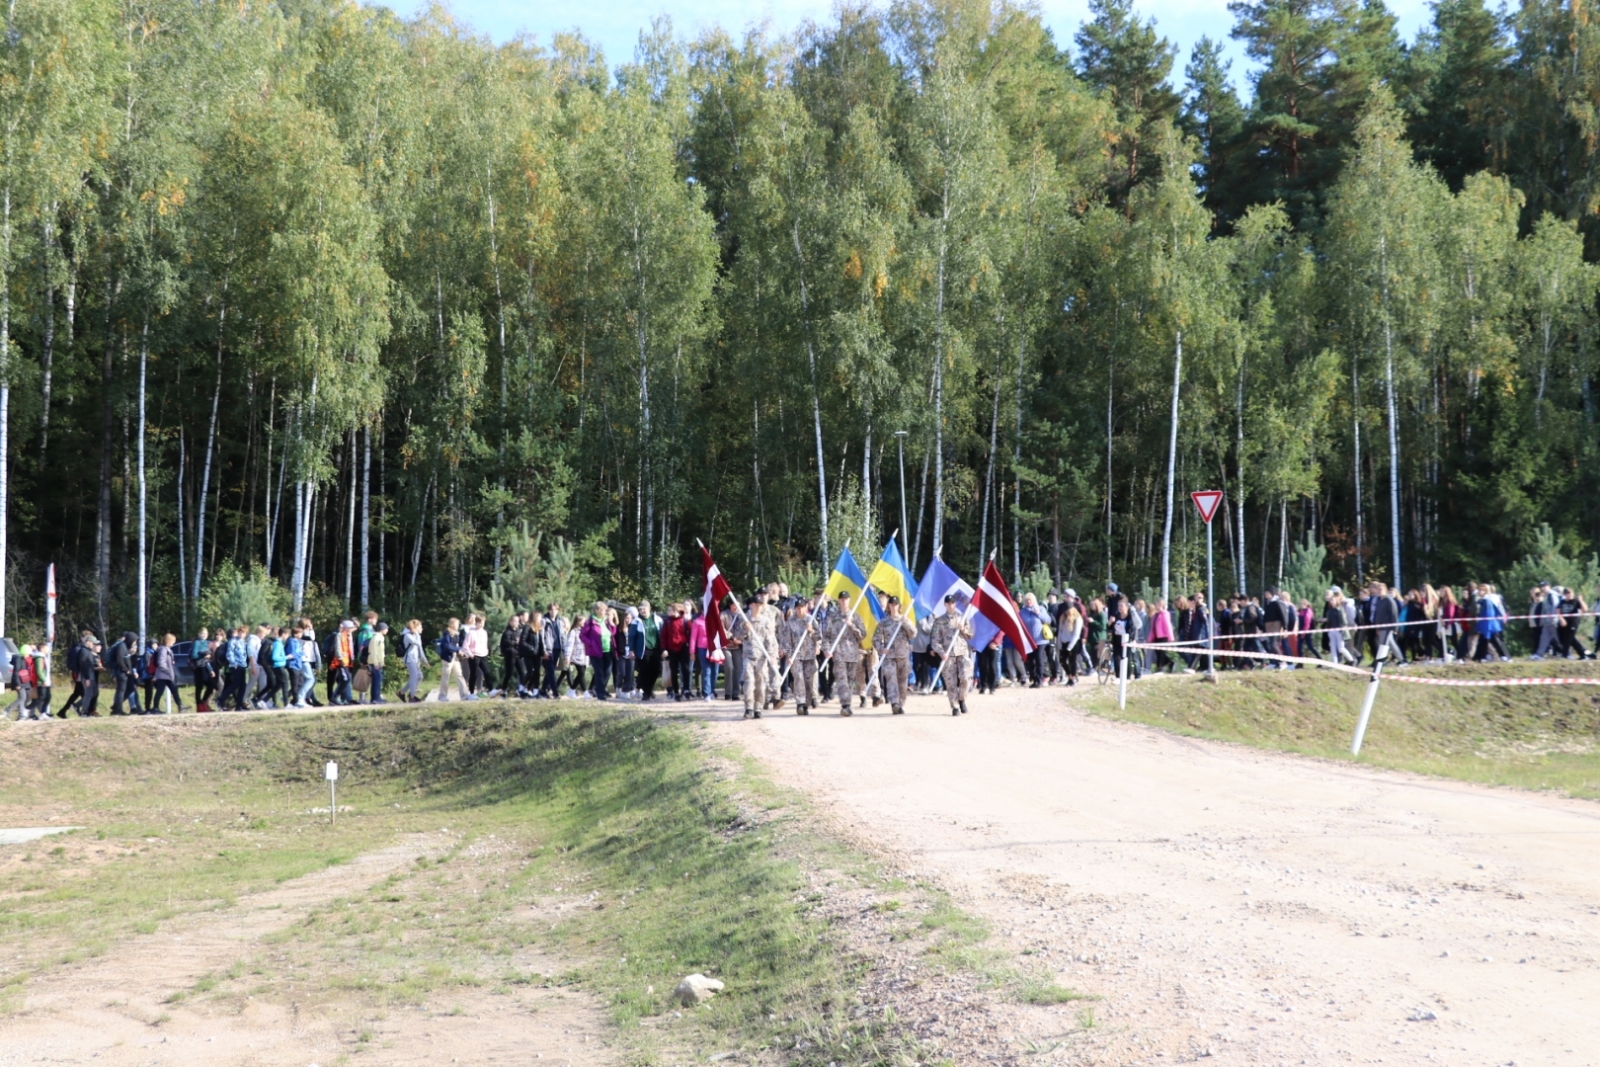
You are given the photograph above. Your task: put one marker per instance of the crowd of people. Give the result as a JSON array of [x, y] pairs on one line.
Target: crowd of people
[[1424, 626], [777, 646]]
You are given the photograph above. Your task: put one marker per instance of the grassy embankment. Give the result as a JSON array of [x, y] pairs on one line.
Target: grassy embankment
[[682, 860], [1535, 737]]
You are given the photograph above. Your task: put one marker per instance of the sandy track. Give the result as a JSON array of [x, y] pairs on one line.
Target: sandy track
[[114, 1009], [1227, 903]]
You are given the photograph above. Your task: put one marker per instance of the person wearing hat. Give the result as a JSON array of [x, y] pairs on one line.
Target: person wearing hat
[[892, 642], [747, 629], [798, 640], [951, 633], [844, 635]]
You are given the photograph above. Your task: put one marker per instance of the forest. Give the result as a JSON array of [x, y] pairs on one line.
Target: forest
[[378, 312]]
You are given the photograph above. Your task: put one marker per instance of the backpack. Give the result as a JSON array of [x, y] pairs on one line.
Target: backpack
[[330, 647], [264, 657]]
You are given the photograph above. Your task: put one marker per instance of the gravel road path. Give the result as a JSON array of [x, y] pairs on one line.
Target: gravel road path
[[1227, 904]]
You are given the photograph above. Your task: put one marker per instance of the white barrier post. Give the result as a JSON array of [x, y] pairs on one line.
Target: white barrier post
[[1367, 700], [1122, 676]]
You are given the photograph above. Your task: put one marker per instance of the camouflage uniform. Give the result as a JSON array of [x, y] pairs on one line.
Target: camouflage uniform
[[801, 649], [892, 641], [846, 655], [771, 618], [956, 669], [756, 652]]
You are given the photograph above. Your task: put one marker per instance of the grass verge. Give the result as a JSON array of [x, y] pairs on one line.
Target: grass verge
[[1534, 737], [613, 840]]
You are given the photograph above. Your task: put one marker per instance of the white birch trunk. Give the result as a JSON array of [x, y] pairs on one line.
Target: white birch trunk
[[5, 401], [48, 346], [988, 479], [350, 529], [1394, 434], [1172, 473], [816, 396], [183, 570], [205, 474], [1238, 478], [144, 563], [1355, 407], [366, 516], [1016, 464]]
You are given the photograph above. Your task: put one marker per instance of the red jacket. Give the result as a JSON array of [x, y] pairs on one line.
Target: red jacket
[[675, 635]]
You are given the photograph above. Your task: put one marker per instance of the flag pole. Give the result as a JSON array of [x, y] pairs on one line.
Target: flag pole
[[853, 607], [739, 608], [957, 634], [783, 675]]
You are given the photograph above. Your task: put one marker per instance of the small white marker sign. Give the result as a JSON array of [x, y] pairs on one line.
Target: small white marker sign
[[330, 773]]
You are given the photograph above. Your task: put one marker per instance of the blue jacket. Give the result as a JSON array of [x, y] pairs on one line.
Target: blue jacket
[[279, 659], [635, 638], [238, 652], [447, 647], [1489, 618]]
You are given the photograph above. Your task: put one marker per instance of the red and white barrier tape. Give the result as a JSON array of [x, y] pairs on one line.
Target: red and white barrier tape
[[1366, 672], [1398, 627]]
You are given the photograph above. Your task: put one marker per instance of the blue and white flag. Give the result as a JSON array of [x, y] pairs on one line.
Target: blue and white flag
[[939, 581]]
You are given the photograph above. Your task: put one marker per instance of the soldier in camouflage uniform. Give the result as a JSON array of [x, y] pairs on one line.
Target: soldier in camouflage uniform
[[798, 639], [867, 677], [892, 642], [843, 634], [950, 635], [747, 629], [769, 620]]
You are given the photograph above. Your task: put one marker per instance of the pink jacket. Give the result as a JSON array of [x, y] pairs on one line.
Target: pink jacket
[[1161, 626], [697, 635]]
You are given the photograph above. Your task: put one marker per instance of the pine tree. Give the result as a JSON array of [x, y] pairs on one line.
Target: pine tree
[[1128, 61]]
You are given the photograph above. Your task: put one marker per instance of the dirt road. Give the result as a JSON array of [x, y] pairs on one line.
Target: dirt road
[[129, 1006], [1229, 905]]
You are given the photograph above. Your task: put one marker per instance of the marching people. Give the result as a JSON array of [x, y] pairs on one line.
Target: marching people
[[577, 661], [892, 642], [798, 638], [843, 635], [23, 679], [555, 651], [675, 646], [598, 639], [204, 669], [650, 626], [748, 630], [950, 636], [412, 655], [449, 647], [376, 654]]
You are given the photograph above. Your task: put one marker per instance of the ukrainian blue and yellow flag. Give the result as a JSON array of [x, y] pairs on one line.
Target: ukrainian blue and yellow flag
[[892, 577], [847, 578]]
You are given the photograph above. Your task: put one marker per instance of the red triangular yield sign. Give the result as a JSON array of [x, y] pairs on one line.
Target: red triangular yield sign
[[1207, 500]]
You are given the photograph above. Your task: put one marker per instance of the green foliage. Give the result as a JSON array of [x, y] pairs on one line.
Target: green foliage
[[583, 315], [532, 577], [1548, 560], [235, 596], [1303, 576]]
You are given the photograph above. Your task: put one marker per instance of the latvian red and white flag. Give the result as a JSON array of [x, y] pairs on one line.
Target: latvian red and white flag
[[993, 601], [716, 589]]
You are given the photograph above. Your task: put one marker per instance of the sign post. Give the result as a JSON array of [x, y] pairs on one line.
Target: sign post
[[331, 773], [1207, 501]]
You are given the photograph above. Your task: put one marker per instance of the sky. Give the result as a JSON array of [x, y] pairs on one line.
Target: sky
[[615, 24]]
